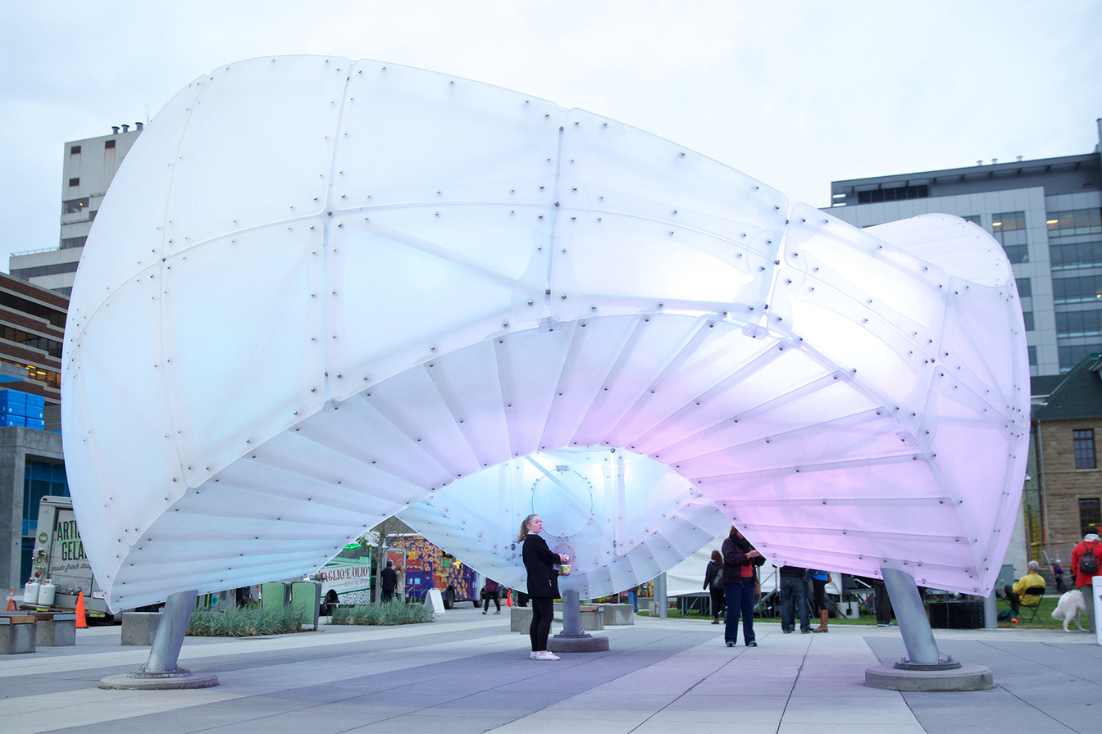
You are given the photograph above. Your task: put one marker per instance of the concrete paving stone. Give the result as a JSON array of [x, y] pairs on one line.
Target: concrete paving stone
[[747, 685], [548, 723], [675, 718], [707, 727], [848, 728], [843, 710], [729, 703], [840, 686], [1013, 722]]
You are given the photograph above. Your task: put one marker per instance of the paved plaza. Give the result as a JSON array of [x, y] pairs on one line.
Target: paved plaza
[[468, 673]]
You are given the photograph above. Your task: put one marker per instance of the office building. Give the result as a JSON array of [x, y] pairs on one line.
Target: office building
[[1046, 213], [89, 166]]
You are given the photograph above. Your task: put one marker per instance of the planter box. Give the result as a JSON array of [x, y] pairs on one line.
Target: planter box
[[55, 630], [139, 628], [17, 634], [618, 614]]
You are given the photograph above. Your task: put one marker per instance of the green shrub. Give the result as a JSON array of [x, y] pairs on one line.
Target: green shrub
[[391, 613], [245, 622]]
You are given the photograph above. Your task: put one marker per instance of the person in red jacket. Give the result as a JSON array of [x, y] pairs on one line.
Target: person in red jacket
[[1083, 581]]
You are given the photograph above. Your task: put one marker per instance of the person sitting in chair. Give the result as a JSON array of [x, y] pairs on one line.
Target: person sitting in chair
[[1030, 580]]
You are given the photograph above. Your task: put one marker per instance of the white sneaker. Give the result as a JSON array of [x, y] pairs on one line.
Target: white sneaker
[[546, 656], [532, 655]]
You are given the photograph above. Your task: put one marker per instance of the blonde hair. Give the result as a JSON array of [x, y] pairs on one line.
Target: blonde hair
[[524, 528]]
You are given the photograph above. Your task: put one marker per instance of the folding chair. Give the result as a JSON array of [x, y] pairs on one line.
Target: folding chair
[[1037, 591]]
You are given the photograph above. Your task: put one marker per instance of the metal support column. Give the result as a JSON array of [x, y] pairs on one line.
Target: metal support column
[[911, 615], [990, 612], [571, 614], [170, 633], [924, 668], [160, 671], [661, 600]]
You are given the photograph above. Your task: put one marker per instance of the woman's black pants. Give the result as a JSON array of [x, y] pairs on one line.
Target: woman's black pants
[[542, 610]]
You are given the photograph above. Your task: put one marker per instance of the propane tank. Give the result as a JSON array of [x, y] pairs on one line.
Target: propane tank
[[30, 592], [46, 594]]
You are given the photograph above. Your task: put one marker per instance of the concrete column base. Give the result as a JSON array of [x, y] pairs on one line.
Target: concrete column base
[[964, 678], [139, 680], [579, 643]]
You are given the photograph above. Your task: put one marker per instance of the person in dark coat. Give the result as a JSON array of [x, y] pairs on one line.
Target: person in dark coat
[[713, 582], [543, 584], [739, 560], [390, 581], [492, 590]]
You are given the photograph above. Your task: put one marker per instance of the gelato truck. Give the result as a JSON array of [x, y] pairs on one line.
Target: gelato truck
[[59, 558]]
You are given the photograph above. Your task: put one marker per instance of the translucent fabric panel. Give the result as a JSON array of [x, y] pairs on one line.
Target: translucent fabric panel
[[582, 497], [145, 184], [247, 384], [225, 182], [323, 291]]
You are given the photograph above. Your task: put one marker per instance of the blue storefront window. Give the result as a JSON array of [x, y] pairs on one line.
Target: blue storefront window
[[40, 480]]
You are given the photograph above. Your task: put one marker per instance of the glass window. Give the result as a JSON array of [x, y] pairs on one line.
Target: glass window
[[898, 193], [1074, 222], [1083, 443], [974, 219], [70, 242], [1017, 253], [1075, 255], [1090, 513], [1073, 355], [74, 206], [40, 480], [74, 182], [74, 150], [52, 269], [1082, 289], [108, 144], [1028, 317], [1009, 230], [1025, 287], [1032, 356]]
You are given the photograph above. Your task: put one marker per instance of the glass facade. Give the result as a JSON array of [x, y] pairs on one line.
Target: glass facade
[[1072, 355], [1074, 222], [40, 479], [1081, 289], [1009, 229], [1079, 323], [1071, 255]]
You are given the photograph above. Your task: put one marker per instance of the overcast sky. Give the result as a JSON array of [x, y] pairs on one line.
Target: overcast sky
[[796, 94]]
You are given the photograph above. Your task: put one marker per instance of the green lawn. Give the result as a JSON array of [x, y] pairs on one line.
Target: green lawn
[[1044, 617]]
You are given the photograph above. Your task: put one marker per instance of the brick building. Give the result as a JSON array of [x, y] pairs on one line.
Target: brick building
[[1066, 468]]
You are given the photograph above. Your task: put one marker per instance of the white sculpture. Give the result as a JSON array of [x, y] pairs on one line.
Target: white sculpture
[[320, 291]]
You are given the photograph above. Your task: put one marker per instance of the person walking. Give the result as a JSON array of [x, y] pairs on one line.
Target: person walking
[[1086, 563], [543, 584], [793, 598], [739, 560], [883, 604], [819, 581], [492, 590], [390, 581], [1058, 577], [713, 582]]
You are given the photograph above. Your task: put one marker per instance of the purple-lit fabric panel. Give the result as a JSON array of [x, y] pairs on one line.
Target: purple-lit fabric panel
[[321, 292]]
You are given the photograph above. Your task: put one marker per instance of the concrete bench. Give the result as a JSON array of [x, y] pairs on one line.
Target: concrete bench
[[55, 629], [17, 633], [520, 619], [618, 614], [592, 617], [139, 628]]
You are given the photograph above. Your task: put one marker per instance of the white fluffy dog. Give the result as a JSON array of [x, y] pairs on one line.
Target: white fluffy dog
[[1070, 606]]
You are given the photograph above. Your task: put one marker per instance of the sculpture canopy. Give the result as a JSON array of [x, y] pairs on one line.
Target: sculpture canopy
[[322, 291]]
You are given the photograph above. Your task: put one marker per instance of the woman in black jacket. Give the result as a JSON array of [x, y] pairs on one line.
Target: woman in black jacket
[[543, 584], [739, 560], [713, 582]]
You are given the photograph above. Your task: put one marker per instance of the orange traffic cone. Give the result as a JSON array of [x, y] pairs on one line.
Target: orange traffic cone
[[11, 600], [509, 598], [81, 621]]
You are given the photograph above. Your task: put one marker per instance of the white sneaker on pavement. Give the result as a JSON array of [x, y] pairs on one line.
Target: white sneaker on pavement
[[546, 656]]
